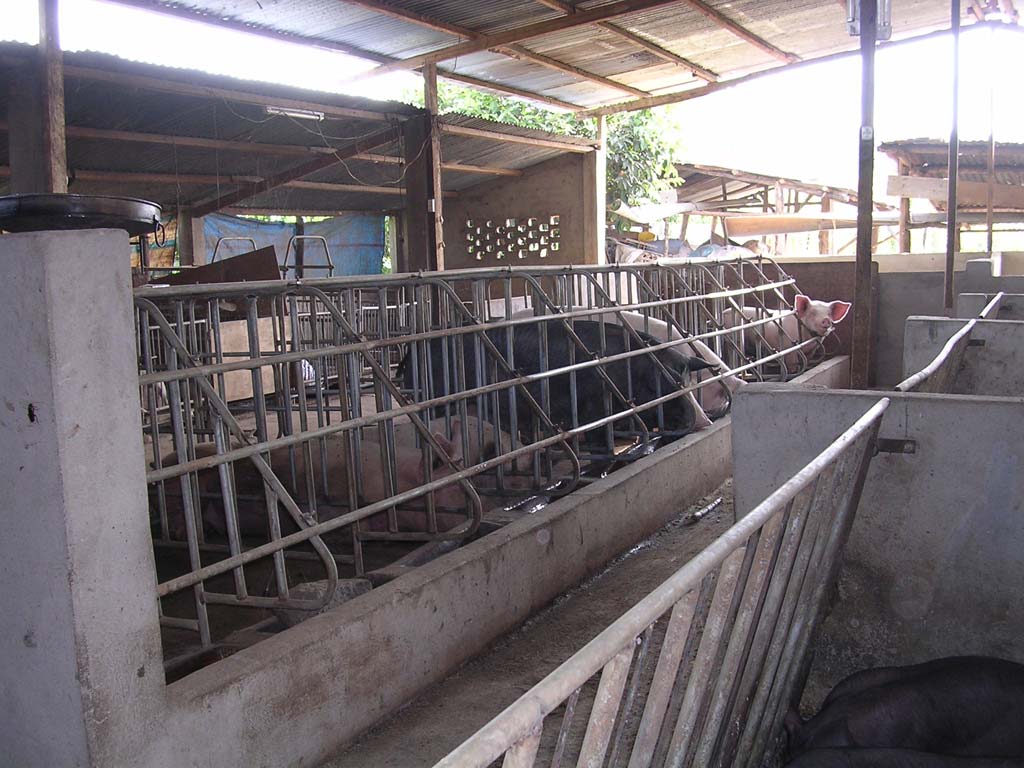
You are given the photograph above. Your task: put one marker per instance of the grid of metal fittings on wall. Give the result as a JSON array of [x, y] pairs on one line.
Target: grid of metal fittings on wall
[[513, 237]]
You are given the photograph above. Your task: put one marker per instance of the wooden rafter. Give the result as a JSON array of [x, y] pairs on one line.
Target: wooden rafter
[[351, 50], [725, 22], [242, 97], [517, 34], [639, 41], [511, 138], [569, 69], [293, 174], [514, 51]]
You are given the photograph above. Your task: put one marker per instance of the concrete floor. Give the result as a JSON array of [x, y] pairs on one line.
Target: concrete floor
[[438, 721]]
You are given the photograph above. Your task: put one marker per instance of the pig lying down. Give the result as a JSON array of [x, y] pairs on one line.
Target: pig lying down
[[715, 398], [333, 500], [966, 707], [896, 758], [810, 319], [642, 379]]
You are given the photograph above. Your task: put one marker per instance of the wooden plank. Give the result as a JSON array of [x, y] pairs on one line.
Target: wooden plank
[[516, 34], [503, 88], [240, 97], [662, 53], [292, 174], [968, 192], [511, 138], [330, 186], [483, 169], [248, 147]]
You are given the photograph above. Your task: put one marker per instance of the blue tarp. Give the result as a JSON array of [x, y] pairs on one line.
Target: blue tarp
[[356, 241]]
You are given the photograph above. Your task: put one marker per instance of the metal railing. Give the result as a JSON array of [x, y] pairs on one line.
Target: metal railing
[[291, 424], [727, 636]]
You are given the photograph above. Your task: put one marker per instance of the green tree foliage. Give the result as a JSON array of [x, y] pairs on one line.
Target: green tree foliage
[[641, 151], [641, 145]]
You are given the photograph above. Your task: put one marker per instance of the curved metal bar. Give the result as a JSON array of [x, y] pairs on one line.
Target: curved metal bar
[[271, 479]]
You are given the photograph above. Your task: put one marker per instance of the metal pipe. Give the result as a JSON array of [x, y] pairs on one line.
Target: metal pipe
[[954, 161], [860, 365]]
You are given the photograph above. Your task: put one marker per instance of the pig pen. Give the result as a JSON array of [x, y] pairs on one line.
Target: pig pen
[[242, 388], [932, 566]]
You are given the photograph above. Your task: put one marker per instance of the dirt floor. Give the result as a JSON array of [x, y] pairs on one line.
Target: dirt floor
[[430, 727]]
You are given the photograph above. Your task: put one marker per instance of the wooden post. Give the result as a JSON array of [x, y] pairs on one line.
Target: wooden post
[[860, 368], [780, 208], [417, 220], [904, 170], [191, 243], [952, 235], [36, 114], [594, 199], [825, 232], [300, 249], [435, 204]]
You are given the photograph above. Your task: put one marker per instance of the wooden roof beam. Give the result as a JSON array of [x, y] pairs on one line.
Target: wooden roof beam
[[509, 89], [160, 85], [742, 32], [351, 50], [517, 34], [511, 138], [293, 174], [514, 51], [641, 42]]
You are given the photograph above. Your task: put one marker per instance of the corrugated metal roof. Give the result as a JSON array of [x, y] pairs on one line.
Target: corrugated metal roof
[[180, 175], [805, 28]]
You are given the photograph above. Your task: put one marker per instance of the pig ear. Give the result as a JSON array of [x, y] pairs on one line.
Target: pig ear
[[801, 304], [837, 310]]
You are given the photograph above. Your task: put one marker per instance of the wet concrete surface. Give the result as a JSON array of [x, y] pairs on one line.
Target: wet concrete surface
[[444, 716]]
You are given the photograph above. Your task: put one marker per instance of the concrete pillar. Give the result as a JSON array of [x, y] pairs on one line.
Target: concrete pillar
[[595, 166], [79, 639]]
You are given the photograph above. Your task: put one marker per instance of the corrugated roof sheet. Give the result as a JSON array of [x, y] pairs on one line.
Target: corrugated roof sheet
[[185, 175], [806, 28]]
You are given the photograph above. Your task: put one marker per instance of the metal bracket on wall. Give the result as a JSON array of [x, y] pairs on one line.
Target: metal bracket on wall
[[891, 445]]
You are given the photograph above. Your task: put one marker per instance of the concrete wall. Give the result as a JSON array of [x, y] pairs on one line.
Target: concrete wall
[[933, 564], [908, 284], [80, 636], [555, 187], [993, 363], [970, 305]]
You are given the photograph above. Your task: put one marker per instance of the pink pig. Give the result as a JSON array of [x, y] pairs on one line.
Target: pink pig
[[817, 318]]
